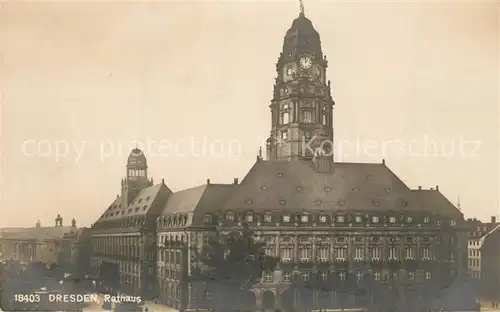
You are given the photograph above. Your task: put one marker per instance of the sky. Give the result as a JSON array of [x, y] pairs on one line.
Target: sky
[[415, 83]]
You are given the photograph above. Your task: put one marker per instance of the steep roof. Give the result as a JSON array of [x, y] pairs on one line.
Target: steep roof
[[197, 200], [352, 186], [435, 201], [139, 206], [295, 185], [483, 239], [200, 198]]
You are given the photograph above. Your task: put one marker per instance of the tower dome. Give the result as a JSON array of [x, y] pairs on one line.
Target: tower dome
[[301, 38], [137, 159]]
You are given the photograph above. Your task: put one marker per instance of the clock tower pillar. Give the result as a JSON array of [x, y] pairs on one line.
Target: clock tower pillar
[[302, 105]]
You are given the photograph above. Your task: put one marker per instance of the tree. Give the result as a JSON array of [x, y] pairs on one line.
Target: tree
[[231, 263]]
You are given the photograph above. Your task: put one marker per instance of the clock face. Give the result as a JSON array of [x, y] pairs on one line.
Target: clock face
[[305, 63]]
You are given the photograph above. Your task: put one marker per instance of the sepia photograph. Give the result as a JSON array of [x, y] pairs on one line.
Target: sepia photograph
[[250, 156]]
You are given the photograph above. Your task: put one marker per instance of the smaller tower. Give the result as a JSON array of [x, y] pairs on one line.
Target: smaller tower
[[59, 221], [137, 176], [38, 224], [73, 223]]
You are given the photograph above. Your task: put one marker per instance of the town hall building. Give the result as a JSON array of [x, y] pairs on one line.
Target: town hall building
[[332, 222]]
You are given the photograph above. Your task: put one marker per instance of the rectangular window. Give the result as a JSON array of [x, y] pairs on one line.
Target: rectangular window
[[341, 253], [306, 276], [409, 253], [426, 253], [287, 277], [285, 117], [286, 254], [342, 276], [305, 254], [393, 253], [376, 253], [289, 71], [307, 117], [359, 254], [270, 251], [323, 254], [268, 277], [284, 135], [267, 218]]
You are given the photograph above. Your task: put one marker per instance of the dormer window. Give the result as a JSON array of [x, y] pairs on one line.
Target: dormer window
[[298, 188], [341, 202], [286, 218], [375, 219], [230, 216], [409, 219], [387, 190], [376, 202], [207, 219], [322, 219], [140, 200], [279, 174], [327, 189], [369, 177], [392, 219], [282, 202], [340, 219], [355, 189], [426, 219], [248, 201], [438, 222], [358, 219], [148, 198], [318, 202], [263, 188], [304, 218], [267, 218], [453, 223]]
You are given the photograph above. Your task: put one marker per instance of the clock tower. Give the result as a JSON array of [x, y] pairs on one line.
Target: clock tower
[[301, 108]]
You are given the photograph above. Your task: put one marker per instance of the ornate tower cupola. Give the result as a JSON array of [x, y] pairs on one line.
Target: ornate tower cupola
[[137, 176], [301, 108]]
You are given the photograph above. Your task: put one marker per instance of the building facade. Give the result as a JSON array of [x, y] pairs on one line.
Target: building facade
[[477, 230], [329, 223], [123, 239], [48, 245], [490, 267]]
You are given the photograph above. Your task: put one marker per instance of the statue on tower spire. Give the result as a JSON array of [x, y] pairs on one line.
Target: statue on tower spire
[[301, 6]]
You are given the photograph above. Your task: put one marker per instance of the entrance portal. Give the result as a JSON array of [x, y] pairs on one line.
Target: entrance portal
[[268, 300]]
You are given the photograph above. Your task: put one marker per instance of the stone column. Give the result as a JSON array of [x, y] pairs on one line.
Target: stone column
[[258, 298], [296, 249]]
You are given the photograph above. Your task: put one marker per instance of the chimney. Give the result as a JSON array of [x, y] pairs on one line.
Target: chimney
[[432, 189], [208, 181], [437, 187], [469, 219], [420, 187], [383, 161], [162, 181], [493, 219], [235, 181]]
